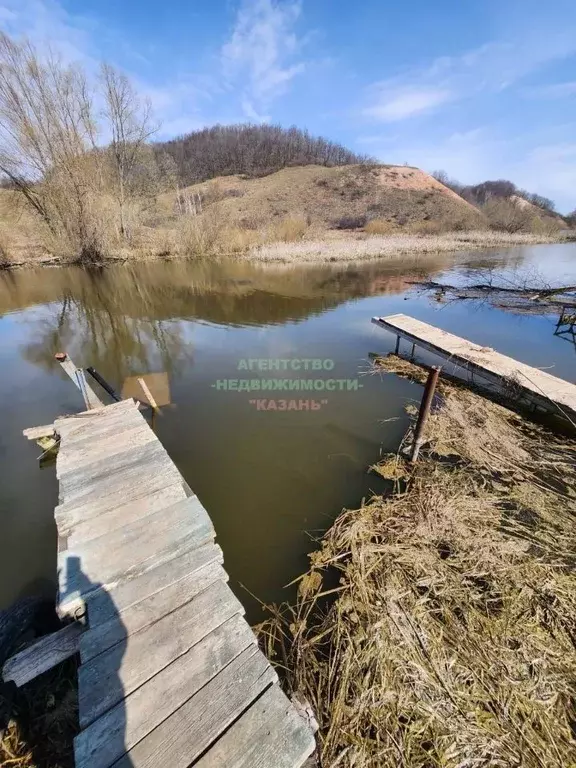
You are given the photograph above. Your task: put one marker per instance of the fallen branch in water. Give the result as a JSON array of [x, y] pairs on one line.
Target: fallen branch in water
[[543, 300]]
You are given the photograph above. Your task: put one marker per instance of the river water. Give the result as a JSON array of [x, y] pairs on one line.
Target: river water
[[272, 480]]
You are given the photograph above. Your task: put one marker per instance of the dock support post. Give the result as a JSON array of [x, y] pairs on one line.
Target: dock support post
[[429, 390], [397, 345], [413, 351]]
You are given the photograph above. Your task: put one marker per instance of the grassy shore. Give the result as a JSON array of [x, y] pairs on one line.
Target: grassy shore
[[436, 625], [363, 247], [322, 249]]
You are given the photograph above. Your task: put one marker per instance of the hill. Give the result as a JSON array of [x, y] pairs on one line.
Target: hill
[[339, 198], [336, 211]]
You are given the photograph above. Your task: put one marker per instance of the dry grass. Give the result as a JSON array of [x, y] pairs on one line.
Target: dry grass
[[5, 257], [449, 639], [45, 722], [288, 230], [361, 247], [428, 228], [380, 227]]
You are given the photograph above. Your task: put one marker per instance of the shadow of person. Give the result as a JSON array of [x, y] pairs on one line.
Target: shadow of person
[[101, 705]]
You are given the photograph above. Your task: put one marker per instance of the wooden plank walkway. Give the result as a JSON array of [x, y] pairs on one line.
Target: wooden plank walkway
[[170, 671], [528, 385]]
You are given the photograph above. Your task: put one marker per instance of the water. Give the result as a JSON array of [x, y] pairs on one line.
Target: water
[[272, 481]]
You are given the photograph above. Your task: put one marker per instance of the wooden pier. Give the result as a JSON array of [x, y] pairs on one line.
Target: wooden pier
[[170, 671], [529, 386]]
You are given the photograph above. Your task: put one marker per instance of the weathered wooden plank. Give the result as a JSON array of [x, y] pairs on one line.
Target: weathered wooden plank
[[124, 549], [107, 470], [90, 397], [270, 734], [99, 438], [124, 486], [33, 433], [538, 387], [103, 428], [68, 426], [70, 514], [138, 486], [84, 570], [191, 729], [123, 726], [74, 458], [119, 596], [114, 674], [139, 616], [44, 654], [118, 517]]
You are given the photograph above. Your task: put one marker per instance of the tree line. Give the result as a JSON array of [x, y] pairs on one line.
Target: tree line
[[480, 194], [251, 150]]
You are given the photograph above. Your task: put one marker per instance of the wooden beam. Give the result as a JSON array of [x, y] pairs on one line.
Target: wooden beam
[[43, 655], [91, 399], [34, 433]]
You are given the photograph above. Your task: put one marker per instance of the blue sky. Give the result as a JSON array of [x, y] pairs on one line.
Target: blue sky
[[479, 88]]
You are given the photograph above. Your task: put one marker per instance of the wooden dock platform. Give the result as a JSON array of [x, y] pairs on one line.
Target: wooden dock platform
[[170, 671], [530, 386]]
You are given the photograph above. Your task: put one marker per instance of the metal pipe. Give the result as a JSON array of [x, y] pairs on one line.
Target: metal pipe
[[103, 383], [429, 390], [397, 345]]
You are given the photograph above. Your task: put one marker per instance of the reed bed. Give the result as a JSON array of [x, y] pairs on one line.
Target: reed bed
[[437, 625], [394, 245]]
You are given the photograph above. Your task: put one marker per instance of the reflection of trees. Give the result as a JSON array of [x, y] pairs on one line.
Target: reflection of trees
[[94, 330], [132, 319]]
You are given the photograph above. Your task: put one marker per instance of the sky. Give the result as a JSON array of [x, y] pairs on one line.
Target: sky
[[482, 89]]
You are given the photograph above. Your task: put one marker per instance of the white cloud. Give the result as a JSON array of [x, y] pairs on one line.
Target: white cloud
[[261, 56], [392, 104], [48, 25], [493, 67]]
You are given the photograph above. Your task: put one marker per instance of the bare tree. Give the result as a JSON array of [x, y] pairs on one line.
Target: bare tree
[[46, 132], [130, 124], [508, 215]]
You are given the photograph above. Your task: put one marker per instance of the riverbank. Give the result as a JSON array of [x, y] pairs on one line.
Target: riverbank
[[324, 249], [365, 247], [435, 625]]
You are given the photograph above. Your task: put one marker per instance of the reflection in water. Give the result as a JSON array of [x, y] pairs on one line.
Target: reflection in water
[[271, 481], [127, 320]]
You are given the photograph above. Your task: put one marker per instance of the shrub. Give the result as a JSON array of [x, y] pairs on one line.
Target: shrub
[[507, 216], [546, 226], [289, 230], [350, 222], [198, 236], [427, 228], [238, 240], [380, 227], [5, 260]]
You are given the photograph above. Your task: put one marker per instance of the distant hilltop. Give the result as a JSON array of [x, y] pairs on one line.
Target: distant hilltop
[[287, 172]]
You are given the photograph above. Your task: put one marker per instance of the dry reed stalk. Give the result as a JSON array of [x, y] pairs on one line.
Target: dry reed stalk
[[356, 248], [451, 639]]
